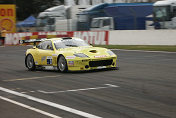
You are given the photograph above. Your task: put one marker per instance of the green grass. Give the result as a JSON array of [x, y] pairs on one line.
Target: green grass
[[140, 47]]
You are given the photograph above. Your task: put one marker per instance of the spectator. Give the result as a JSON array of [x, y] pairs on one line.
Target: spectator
[[157, 25], [3, 35]]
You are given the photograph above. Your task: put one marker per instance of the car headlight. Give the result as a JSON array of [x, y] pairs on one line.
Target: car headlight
[[110, 52], [80, 55]]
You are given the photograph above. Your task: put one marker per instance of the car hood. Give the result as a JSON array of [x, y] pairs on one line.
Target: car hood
[[92, 52]]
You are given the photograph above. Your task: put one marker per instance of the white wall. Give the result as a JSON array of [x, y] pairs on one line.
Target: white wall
[[142, 37]]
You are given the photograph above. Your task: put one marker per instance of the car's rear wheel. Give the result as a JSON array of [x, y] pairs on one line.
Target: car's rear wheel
[[62, 64], [29, 62]]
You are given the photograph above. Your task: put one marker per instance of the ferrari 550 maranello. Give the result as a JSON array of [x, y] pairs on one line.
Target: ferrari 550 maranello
[[69, 54]]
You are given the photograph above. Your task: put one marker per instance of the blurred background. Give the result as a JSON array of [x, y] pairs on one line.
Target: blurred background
[[85, 15]]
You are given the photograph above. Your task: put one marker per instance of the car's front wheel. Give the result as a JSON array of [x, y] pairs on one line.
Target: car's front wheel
[[29, 62], [62, 64]]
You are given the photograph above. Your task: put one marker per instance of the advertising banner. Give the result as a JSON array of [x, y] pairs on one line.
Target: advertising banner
[[91, 37], [8, 18]]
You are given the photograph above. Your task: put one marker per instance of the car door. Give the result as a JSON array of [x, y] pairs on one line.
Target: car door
[[45, 52]]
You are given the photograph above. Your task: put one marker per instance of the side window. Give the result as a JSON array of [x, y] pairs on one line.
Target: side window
[[95, 23], [45, 45], [39, 46], [48, 45], [174, 11], [106, 22], [51, 21]]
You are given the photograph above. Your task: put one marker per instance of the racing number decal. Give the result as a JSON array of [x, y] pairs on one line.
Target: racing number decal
[[49, 59]]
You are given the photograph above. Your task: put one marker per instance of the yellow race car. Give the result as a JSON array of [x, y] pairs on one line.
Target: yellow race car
[[68, 54]]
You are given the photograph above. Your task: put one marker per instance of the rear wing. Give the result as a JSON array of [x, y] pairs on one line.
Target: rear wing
[[31, 41]]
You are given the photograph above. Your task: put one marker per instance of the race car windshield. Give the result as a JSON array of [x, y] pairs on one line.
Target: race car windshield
[[69, 43]]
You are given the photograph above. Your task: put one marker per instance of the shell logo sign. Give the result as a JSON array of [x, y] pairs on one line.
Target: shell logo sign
[[8, 17]]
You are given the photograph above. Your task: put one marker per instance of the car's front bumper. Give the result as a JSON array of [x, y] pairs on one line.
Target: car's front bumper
[[91, 64]]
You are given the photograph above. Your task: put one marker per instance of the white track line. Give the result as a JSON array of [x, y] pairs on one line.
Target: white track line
[[29, 107], [30, 78], [74, 90], [52, 104]]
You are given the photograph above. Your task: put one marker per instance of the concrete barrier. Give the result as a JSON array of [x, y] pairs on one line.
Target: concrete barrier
[[92, 37], [142, 37], [117, 37]]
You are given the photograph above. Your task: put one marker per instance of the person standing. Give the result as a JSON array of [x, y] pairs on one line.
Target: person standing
[[3, 35]]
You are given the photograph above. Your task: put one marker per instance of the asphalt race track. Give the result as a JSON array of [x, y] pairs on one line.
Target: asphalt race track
[[144, 87]]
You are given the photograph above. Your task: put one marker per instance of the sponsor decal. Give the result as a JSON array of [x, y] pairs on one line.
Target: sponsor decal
[[102, 56], [43, 58], [70, 57], [7, 24], [49, 59], [8, 17], [36, 62], [70, 63], [91, 37], [13, 38]]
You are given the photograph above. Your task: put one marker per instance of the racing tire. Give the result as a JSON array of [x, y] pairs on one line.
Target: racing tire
[[29, 62], [62, 64]]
